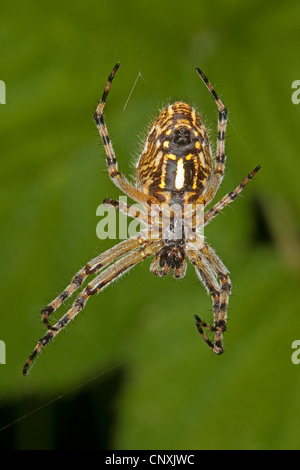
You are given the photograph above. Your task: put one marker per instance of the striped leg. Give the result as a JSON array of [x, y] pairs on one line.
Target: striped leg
[[92, 267], [208, 279], [223, 275], [117, 178], [128, 209], [98, 284], [220, 156], [211, 213]]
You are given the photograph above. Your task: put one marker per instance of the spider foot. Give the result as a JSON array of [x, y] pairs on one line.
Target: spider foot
[[218, 329]]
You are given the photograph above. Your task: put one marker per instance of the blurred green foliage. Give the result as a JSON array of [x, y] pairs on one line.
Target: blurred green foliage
[[55, 59]]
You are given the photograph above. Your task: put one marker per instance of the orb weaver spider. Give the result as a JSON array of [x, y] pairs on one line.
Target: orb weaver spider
[[176, 168]]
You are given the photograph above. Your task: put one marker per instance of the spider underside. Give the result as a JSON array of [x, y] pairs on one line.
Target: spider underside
[[176, 177]]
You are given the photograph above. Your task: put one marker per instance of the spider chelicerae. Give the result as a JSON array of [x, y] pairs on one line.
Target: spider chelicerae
[[176, 177]]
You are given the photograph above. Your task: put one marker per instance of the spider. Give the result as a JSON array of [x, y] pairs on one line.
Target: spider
[[175, 169]]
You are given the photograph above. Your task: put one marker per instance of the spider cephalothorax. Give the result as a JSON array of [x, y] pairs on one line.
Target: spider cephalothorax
[[176, 177], [170, 257]]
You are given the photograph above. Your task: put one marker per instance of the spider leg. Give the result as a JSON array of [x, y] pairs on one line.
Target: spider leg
[[128, 209], [152, 219], [220, 155], [96, 285], [208, 279], [117, 178], [223, 275], [213, 212], [90, 268]]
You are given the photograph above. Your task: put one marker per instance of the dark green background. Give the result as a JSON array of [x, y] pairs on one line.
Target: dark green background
[[155, 383]]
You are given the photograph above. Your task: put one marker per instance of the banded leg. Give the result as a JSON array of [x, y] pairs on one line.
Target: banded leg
[[211, 213], [103, 279], [220, 155], [127, 209], [222, 273], [208, 279], [117, 178], [91, 267]]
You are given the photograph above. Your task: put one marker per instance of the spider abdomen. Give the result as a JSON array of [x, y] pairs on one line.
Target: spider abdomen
[[176, 162]]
